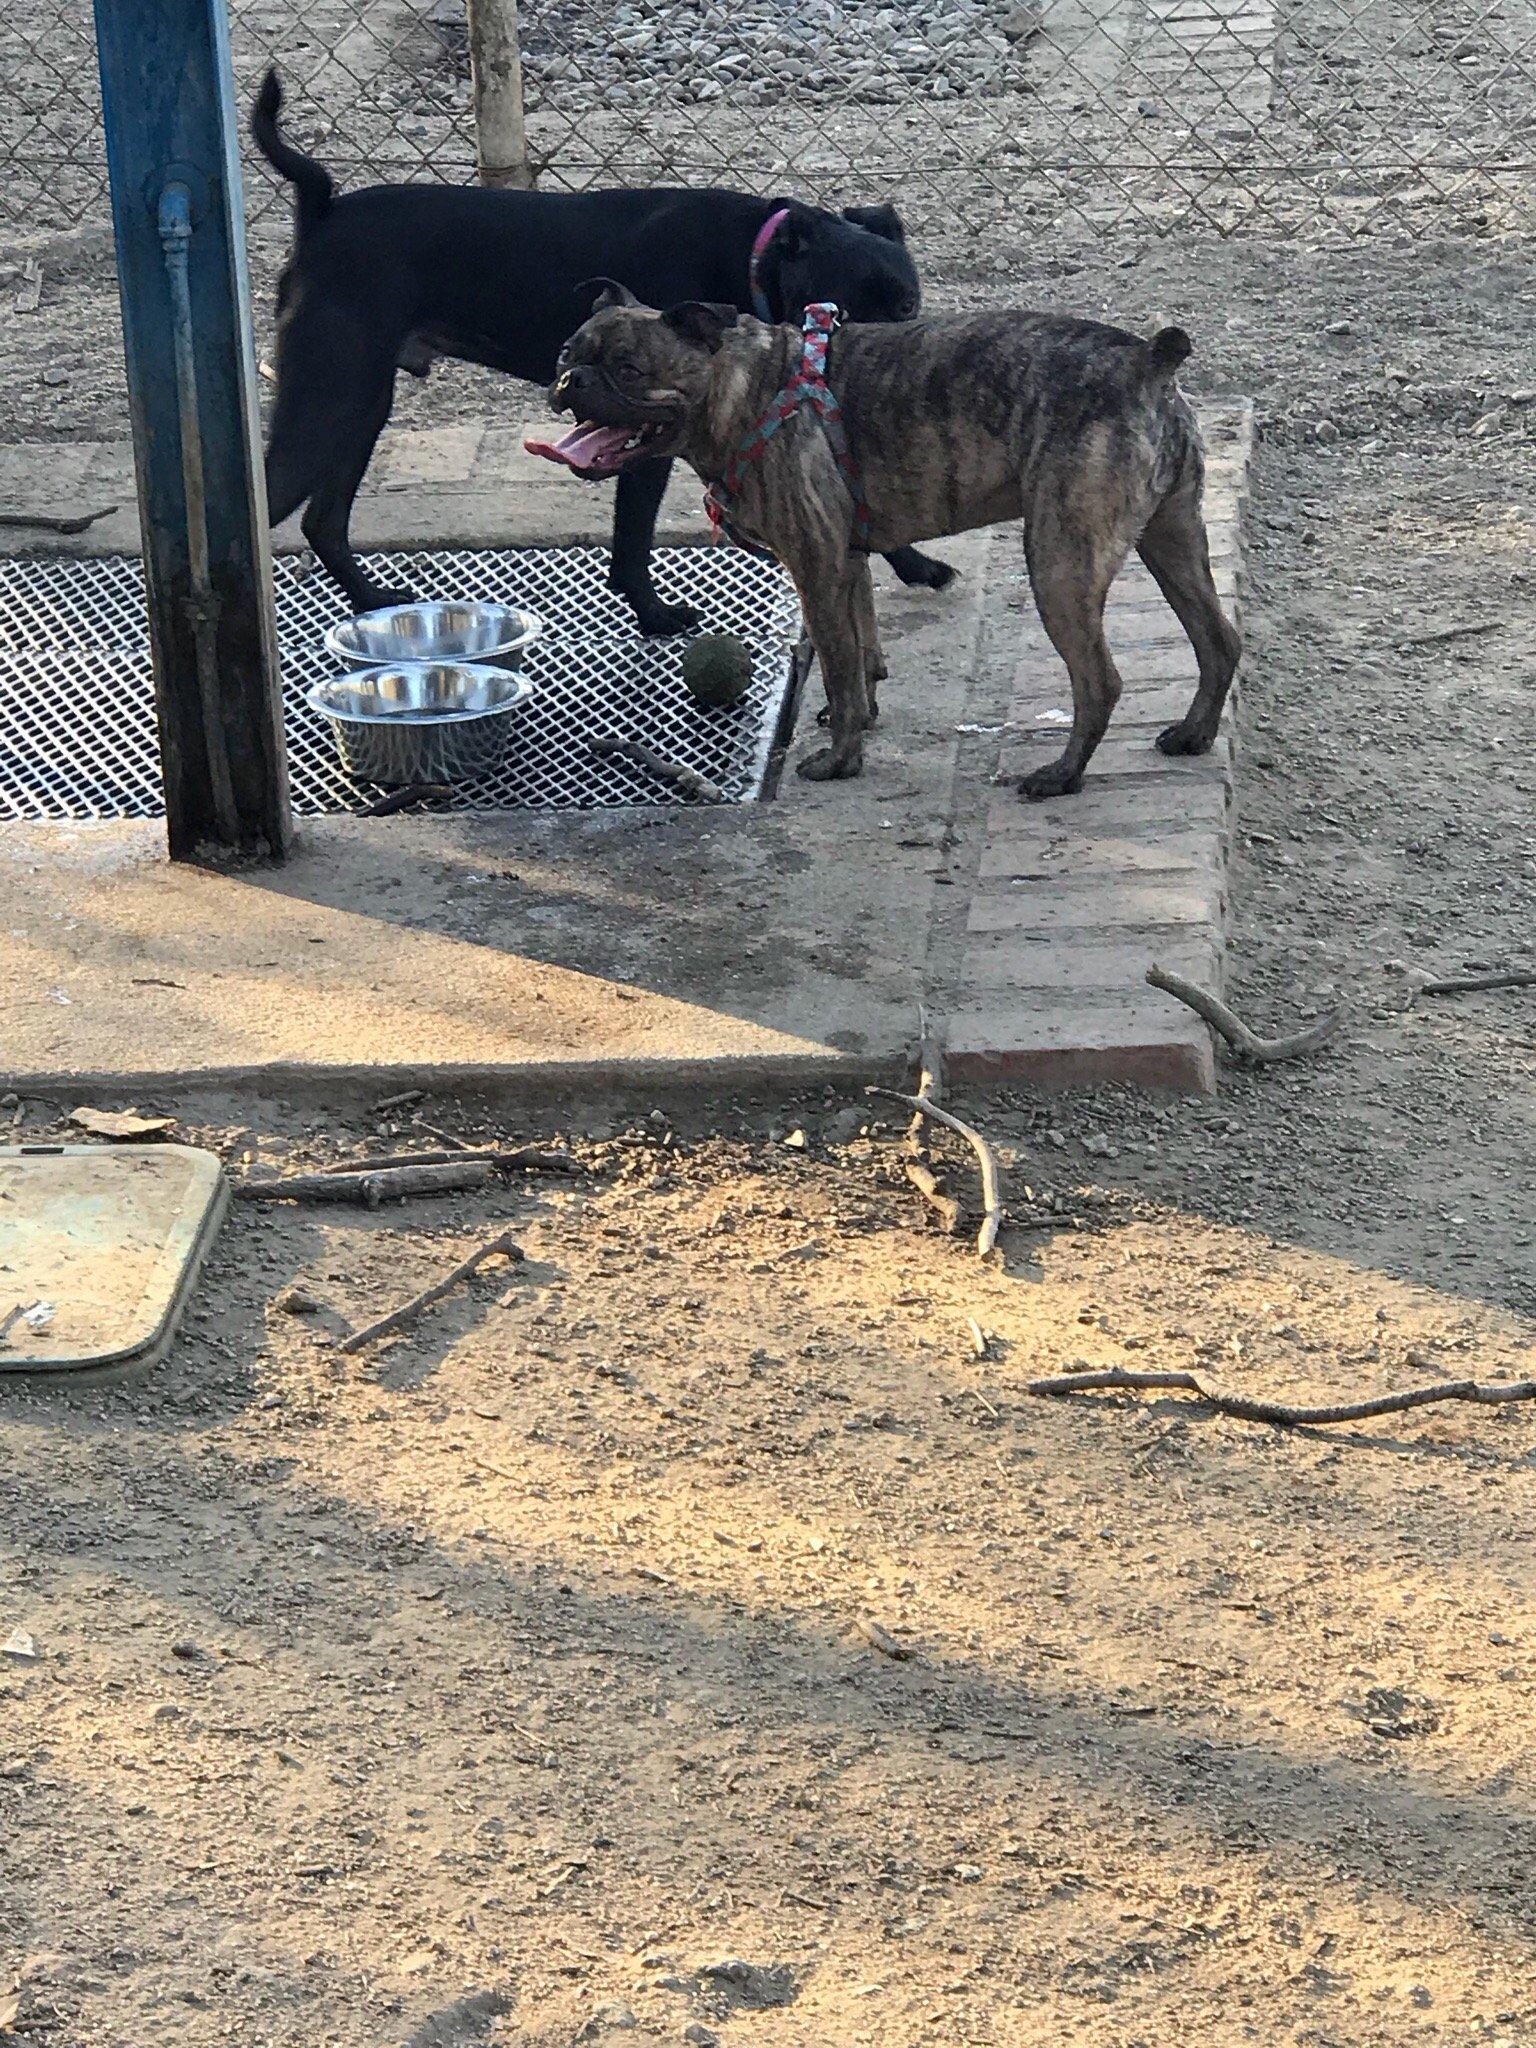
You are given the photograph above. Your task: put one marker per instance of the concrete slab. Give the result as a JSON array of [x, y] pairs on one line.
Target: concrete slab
[[683, 947], [636, 948], [462, 487], [1072, 902]]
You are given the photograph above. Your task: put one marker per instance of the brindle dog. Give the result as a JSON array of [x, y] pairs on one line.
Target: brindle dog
[[1076, 428]]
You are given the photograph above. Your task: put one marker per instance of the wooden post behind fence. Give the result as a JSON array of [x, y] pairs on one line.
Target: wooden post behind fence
[[496, 69]]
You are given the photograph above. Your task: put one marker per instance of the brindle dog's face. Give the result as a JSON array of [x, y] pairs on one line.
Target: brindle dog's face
[[634, 378]]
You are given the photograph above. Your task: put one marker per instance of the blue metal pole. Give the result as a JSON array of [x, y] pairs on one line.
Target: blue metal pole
[[178, 215]]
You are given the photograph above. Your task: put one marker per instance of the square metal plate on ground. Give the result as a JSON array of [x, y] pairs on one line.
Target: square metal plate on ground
[[107, 1238], [77, 712]]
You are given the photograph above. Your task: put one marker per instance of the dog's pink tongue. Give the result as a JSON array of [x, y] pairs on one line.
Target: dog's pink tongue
[[583, 448]]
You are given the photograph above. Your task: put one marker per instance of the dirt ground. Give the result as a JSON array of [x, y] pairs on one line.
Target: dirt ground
[[523, 1655]]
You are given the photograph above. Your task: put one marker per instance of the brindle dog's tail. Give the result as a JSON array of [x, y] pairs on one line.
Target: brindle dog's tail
[[1167, 349], [314, 192]]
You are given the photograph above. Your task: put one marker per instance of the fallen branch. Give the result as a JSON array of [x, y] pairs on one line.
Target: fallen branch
[[1251, 1408], [372, 1186], [991, 1177], [688, 780], [1469, 984], [1235, 1031], [502, 1247], [533, 1157]]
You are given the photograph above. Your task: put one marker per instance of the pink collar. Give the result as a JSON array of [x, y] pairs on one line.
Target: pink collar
[[765, 235]]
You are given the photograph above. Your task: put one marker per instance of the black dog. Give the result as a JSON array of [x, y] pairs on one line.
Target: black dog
[[393, 276]]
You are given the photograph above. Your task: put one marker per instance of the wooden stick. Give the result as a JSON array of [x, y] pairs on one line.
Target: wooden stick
[[47, 522], [1445, 633], [531, 1156], [1235, 1031], [919, 1168], [945, 1207], [386, 1184], [403, 799], [991, 1177], [688, 780], [1469, 984], [499, 1247], [1252, 1408]]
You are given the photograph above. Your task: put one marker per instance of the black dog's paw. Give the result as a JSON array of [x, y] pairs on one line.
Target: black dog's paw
[[656, 620], [922, 572], [383, 600], [1182, 739], [826, 765], [1055, 779]]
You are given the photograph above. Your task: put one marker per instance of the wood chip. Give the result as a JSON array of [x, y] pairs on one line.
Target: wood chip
[[881, 1639], [122, 1126]]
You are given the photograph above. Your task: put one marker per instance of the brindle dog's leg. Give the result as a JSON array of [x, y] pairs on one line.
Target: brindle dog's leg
[[830, 606], [1175, 549], [1070, 569]]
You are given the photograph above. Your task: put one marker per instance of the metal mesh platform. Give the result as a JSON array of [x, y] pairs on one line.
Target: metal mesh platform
[[77, 715]]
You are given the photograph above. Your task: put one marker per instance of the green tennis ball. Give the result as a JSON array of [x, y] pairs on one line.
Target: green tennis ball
[[717, 668]]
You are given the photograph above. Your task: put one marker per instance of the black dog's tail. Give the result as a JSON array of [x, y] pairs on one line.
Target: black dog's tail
[[1169, 347], [314, 192]]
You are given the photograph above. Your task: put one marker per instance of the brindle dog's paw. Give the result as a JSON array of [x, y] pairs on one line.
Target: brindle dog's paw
[[826, 766], [1055, 779], [1184, 739], [657, 620]]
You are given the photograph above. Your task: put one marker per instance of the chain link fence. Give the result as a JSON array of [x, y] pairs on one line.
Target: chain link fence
[[1411, 117]]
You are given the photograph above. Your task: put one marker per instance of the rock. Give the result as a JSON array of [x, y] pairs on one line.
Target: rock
[[20, 1646], [701, 2037], [753, 1983], [1339, 327], [293, 1301], [607, 2019]]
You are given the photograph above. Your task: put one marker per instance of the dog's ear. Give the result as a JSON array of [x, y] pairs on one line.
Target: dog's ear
[[883, 221], [599, 293], [702, 325], [795, 233]]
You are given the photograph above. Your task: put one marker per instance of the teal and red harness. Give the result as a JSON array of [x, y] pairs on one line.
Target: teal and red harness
[[808, 386]]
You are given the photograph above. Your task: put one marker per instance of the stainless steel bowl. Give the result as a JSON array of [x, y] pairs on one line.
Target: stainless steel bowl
[[421, 721], [500, 633]]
